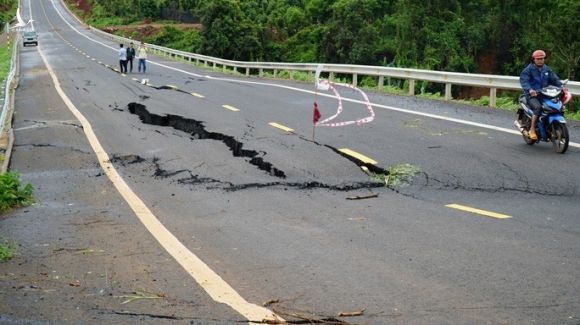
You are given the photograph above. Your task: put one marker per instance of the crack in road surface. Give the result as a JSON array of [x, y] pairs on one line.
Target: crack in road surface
[[198, 131], [194, 179]]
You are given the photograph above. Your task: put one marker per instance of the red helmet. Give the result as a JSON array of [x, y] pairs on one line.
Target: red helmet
[[538, 54]]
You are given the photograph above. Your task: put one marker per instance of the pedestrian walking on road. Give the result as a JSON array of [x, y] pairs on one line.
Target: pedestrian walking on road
[[130, 56], [142, 56], [123, 59]]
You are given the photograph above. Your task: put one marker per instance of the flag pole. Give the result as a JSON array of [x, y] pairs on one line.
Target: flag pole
[[314, 123], [315, 112], [313, 128]]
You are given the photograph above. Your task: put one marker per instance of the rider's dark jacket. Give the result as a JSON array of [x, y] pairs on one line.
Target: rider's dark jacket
[[534, 78]]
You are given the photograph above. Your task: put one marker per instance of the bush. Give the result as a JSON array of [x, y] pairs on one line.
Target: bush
[[5, 58], [368, 82], [189, 41], [11, 193], [7, 249]]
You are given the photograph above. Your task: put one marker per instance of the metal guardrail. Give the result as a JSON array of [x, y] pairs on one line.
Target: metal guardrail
[[492, 82], [9, 86]]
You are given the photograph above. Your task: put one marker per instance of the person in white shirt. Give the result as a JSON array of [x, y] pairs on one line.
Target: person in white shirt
[[123, 59], [142, 56]]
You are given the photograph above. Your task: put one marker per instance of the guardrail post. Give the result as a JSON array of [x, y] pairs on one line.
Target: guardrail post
[[291, 74], [354, 79], [261, 73], [412, 87], [381, 82], [224, 68], [448, 95], [330, 76], [247, 71], [275, 72], [492, 97]]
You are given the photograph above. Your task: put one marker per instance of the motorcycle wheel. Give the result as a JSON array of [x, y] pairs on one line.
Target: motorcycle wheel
[[528, 141], [525, 121], [560, 138]]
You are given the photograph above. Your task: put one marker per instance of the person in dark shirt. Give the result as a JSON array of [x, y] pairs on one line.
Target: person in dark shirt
[[534, 77], [130, 56]]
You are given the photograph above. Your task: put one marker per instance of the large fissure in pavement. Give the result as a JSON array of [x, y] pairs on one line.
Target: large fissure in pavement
[[198, 131], [216, 184]]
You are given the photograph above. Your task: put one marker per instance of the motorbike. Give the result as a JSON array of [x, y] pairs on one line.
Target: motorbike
[[551, 126]]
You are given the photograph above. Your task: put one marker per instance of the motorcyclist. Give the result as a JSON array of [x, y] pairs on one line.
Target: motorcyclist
[[534, 77]]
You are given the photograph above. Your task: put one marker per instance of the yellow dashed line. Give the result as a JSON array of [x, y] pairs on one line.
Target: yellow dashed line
[[478, 211], [198, 95], [134, 79], [172, 86], [231, 108], [281, 127], [358, 156]]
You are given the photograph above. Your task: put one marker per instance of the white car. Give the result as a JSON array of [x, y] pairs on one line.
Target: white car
[[30, 38]]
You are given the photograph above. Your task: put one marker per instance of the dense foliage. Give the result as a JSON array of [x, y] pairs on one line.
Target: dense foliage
[[489, 36], [7, 11]]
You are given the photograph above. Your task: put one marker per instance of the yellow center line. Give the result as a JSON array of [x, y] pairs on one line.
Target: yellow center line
[[281, 127], [478, 211], [198, 95], [358, 156], [172, 86], [231, 108]]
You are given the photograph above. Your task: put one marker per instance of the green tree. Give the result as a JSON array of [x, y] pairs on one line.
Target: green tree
[[352, 32], [7, 11], [148, 9], [227, 33]]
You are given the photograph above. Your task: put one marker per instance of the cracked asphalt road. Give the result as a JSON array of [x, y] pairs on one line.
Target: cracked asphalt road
[[402, 256]]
